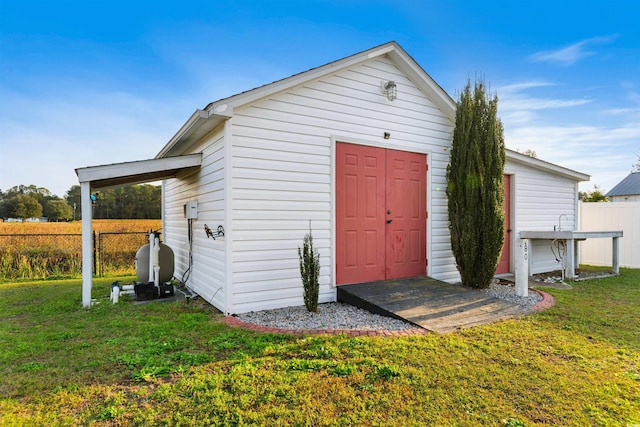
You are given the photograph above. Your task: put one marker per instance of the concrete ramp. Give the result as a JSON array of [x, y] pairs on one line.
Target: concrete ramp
[[429, 303]]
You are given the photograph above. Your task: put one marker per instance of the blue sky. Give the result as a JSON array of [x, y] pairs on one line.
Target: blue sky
[[86, 83]]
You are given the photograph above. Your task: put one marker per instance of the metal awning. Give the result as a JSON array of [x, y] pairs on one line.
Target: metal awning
[[137, 172], [114, 175]]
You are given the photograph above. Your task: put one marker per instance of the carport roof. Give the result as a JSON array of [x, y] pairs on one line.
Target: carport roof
[[137, 172]]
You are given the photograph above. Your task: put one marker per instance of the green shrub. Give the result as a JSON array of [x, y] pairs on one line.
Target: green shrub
[[309, 270]]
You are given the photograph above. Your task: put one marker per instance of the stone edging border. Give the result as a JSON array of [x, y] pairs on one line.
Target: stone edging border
[[547, 302], [234, 321]]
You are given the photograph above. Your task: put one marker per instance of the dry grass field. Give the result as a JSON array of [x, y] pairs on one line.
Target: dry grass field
[[38, 250], [99, 225]]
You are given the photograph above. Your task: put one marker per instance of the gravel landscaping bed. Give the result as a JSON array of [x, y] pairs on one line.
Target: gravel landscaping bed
[[507, 292], [337, 315], [581, 274], [333, 315]]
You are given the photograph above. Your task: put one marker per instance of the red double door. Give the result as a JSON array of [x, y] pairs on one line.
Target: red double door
[[381, 214], [504, 264]]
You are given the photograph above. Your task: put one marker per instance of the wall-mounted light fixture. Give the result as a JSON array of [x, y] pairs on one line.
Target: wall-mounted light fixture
[[390, 89], [387, 135]]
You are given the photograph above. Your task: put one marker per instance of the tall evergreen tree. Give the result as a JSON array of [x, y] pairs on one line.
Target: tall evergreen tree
[[475, 187]]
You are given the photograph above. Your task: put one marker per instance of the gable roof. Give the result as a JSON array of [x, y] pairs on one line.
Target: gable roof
[[630, 186], [203, 121], [545, 166]]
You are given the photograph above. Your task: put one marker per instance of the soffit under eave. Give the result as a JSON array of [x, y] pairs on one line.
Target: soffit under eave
[[106, 184], [547, 167], [204, 121], [392, 50], [137, 172], [414, 71], [199, 124]]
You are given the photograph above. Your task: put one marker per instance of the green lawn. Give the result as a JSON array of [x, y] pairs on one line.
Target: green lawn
[[576, 364]]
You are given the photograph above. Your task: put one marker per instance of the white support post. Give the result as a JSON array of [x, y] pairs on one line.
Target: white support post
[[87, 243], [570, 259], [615, 262], [522, 268]]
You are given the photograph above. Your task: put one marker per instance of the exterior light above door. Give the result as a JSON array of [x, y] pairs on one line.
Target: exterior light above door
[[390, 89]]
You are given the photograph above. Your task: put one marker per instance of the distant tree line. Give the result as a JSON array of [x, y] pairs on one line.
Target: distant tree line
[[128, 202]]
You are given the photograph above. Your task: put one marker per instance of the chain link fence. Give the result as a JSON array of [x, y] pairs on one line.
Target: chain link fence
[[42, 256], [117, 252]]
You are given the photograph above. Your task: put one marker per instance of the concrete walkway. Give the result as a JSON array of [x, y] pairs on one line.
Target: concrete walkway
[[432, 304]]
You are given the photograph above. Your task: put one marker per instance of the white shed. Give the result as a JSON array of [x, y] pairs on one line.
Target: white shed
[[332, 147]]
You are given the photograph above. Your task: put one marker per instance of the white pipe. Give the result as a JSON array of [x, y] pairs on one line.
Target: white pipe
[[156, 262], [152, 238], [116, 292]]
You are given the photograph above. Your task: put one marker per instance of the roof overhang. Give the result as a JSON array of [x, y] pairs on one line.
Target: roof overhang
[[552, 168], [204, 121], [137, 172], [199, 124]]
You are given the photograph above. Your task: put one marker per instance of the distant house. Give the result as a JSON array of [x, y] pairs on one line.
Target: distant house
[[627, 190], [358, 147]]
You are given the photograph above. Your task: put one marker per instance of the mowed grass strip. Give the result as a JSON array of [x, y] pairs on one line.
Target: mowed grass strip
[[575, 364]]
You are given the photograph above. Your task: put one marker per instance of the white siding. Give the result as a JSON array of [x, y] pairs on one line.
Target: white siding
[[442, 263], [539, 200], [282, 176], [632, 198], [207, 186], [269, 171]]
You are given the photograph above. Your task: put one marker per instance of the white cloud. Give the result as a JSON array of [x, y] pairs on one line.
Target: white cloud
[[83, 129], [622, 111], [516, 106], [573, 53], [526, 103], [559, 134], [604, 153]]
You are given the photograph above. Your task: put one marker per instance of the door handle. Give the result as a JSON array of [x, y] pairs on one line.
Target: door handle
[[389, 221]]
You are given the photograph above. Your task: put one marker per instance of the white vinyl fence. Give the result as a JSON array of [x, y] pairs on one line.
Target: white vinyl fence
[[612, 216]]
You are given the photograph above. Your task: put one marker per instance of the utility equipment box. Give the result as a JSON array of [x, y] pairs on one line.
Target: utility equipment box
[[191, 209]]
